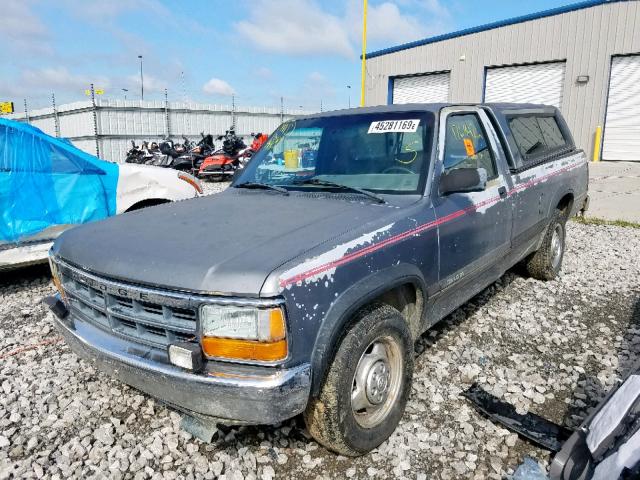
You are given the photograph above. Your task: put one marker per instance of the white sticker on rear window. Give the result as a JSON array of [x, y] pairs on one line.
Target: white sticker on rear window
[[392, 126]]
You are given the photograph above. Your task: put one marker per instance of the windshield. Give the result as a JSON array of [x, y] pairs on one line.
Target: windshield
[[382, 153]]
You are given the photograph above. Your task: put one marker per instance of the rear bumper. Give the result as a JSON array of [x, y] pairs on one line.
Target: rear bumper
[[223, 393]]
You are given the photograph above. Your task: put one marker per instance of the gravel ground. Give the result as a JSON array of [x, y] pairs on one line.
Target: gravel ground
[[552, 348], [213, 187]]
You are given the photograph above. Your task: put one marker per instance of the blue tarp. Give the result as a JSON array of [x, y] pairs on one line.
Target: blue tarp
[[46, 182]]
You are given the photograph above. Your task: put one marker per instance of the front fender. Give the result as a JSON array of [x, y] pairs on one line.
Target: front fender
[[336, 320], [138, 183]]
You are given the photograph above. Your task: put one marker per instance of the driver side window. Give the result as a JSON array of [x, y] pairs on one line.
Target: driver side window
[[466, 145]]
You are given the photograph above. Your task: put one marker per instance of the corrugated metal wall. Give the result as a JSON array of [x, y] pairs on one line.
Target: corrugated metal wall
[[587, 39], [120, 121]]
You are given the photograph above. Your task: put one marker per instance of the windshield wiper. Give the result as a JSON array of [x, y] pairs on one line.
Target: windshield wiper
[[263, 186], [327, 183]]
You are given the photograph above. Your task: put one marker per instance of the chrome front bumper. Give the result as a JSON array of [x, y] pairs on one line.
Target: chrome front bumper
[[228, 394]]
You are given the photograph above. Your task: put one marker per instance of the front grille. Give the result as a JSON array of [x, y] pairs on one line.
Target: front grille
[[153, 318]]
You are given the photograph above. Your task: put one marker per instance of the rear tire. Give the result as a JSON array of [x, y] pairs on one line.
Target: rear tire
[[545, 264], [366, 390]]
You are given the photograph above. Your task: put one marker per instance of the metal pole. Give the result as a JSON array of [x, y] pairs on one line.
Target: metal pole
[[55, 115], [349, 97], [597, 142], [95, 120], [166, 113], [320, 105], [364, 51], [281, 109], [233, 112], [141, 79], [26, 111], [184, 88]]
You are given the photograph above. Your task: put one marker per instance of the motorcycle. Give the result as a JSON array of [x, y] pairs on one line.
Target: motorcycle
[[224, 162], [259, 139], [189, 156], [154, 155], [184, 157], [179, 155], [202, 150], [135, 154]]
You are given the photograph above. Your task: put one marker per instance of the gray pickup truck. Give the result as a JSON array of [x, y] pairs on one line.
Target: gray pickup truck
[[302, 287]]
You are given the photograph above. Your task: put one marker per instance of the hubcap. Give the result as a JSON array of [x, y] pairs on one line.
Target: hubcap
[[556, 246], [376, 382]]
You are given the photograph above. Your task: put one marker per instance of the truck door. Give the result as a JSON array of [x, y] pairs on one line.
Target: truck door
[[474, 228]]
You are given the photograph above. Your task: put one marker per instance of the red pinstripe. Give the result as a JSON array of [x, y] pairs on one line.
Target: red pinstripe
[[417, 230]]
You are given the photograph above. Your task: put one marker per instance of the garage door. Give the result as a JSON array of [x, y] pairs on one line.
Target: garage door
[[541, 83], [431, 88], [622, 125]]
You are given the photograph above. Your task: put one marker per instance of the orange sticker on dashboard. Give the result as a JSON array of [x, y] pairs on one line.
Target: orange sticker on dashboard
[[468, 146]]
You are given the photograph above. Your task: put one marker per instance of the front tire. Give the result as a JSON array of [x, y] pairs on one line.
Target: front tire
[[545, 264], [368, 384]]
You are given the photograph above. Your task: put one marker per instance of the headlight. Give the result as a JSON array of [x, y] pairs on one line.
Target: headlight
[[243, 333]]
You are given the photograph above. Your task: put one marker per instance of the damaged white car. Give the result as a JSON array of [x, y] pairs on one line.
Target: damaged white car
[[47, 186]]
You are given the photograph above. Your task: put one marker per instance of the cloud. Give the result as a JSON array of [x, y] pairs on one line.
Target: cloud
[[107, 11], [38, 84], [295, 27], [60, 79], [435, 7], [64, 83], [316, 85], [21, 30], [388, 25], [316, 77], [308, 29], [263, 73], [151, 83], [216, 86]]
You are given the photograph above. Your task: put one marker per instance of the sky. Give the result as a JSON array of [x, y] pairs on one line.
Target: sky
[[305, 51]]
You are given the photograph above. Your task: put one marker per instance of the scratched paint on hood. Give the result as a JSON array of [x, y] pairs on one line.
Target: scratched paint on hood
[[327, 258]]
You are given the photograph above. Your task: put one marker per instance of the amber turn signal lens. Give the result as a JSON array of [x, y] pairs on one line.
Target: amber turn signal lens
[[245, 349], [276, 324]]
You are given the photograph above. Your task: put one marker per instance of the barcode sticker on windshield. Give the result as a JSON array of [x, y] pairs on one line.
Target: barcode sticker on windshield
[[392, 126]]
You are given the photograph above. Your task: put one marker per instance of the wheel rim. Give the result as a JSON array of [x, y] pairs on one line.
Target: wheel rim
[[376, 382], [556, 246]]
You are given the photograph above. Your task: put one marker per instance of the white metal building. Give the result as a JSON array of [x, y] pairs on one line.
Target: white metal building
[[116, 123], [583, 58]]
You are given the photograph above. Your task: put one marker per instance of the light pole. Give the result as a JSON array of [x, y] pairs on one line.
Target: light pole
[[125, 90], [349, 89], [141, 79]]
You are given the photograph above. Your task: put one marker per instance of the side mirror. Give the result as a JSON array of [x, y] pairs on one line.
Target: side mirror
[[461, 180]]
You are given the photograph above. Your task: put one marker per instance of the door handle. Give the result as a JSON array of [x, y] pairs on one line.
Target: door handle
[[503, 192]]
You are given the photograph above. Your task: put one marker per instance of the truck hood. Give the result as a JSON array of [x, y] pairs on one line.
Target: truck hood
[[224, 244]]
